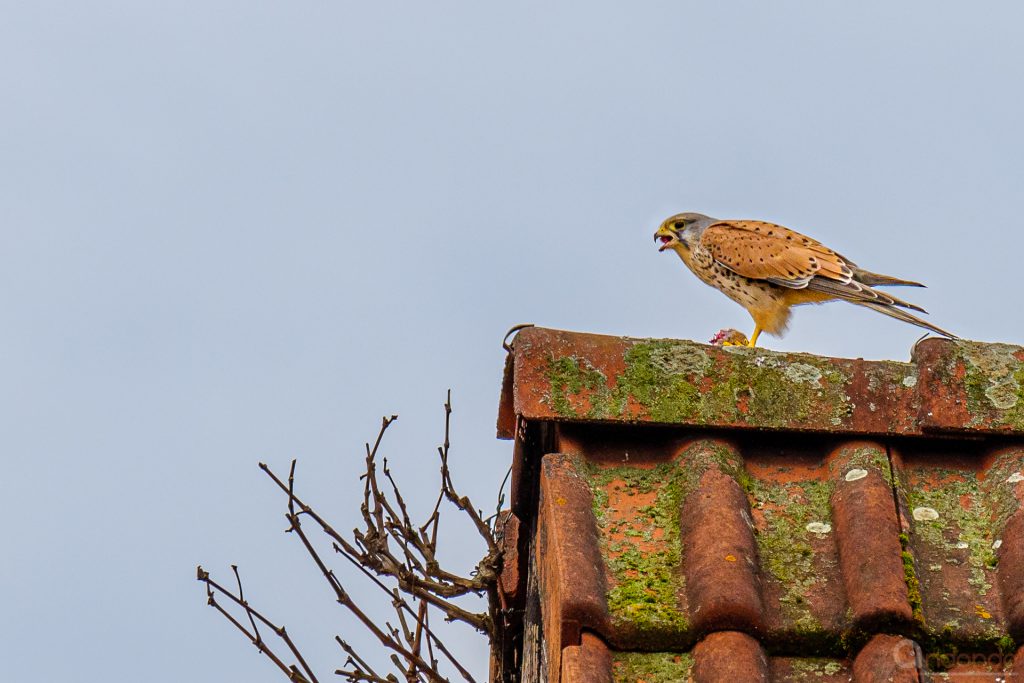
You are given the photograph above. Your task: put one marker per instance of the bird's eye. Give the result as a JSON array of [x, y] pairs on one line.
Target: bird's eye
[[680, 225]]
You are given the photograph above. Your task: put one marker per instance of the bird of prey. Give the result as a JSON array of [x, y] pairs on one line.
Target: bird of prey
[[768, 269]]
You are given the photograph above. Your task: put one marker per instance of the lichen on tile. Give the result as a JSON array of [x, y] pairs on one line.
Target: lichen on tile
[[957, 516], [652, 667], [794, 515], [812, 669], [637, 511], [994, 383], [678, 381]]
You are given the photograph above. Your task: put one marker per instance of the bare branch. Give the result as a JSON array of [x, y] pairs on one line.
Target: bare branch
[[292, 672], [387, 548]]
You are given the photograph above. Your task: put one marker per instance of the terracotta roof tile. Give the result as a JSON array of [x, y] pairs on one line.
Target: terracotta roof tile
[[590, 661], [730, 656], [888, 658], [713, 515], [949, 386]]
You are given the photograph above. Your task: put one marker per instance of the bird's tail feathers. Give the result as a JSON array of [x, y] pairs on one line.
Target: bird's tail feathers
[[857, 292], [905, 317], [900, 302], [877, 279]]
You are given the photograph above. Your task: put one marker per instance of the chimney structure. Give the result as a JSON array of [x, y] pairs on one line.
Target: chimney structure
[[685, 512]]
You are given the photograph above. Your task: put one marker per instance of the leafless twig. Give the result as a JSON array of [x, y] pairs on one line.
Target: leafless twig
[[213, 589], [389, 548]]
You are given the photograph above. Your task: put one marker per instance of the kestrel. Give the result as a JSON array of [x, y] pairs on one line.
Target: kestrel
[[768, 269]]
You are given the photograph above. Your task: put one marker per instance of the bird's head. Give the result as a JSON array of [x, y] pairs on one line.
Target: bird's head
[[681, 230]]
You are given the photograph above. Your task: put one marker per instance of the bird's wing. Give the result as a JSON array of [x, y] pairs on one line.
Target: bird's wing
[[765, 251], [784, 257]]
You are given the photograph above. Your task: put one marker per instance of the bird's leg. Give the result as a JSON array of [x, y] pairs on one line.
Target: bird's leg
[[753, 337]]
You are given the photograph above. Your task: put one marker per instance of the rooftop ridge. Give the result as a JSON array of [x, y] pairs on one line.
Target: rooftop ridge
[[948, 386]]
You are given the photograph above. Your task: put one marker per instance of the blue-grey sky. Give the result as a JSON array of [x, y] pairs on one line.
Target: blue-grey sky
[[238, 231]]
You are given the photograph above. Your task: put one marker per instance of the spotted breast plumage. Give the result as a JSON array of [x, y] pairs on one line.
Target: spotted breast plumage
[[768, 269]]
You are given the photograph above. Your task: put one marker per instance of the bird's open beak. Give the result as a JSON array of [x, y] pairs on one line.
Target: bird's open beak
[[667, 239]]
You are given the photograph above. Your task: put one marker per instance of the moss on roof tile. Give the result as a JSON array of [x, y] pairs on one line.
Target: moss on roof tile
[[679, 381], [652, 667], [643, 550]]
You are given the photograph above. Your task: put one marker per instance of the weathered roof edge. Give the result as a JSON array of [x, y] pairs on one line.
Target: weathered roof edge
[[950, 387]]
